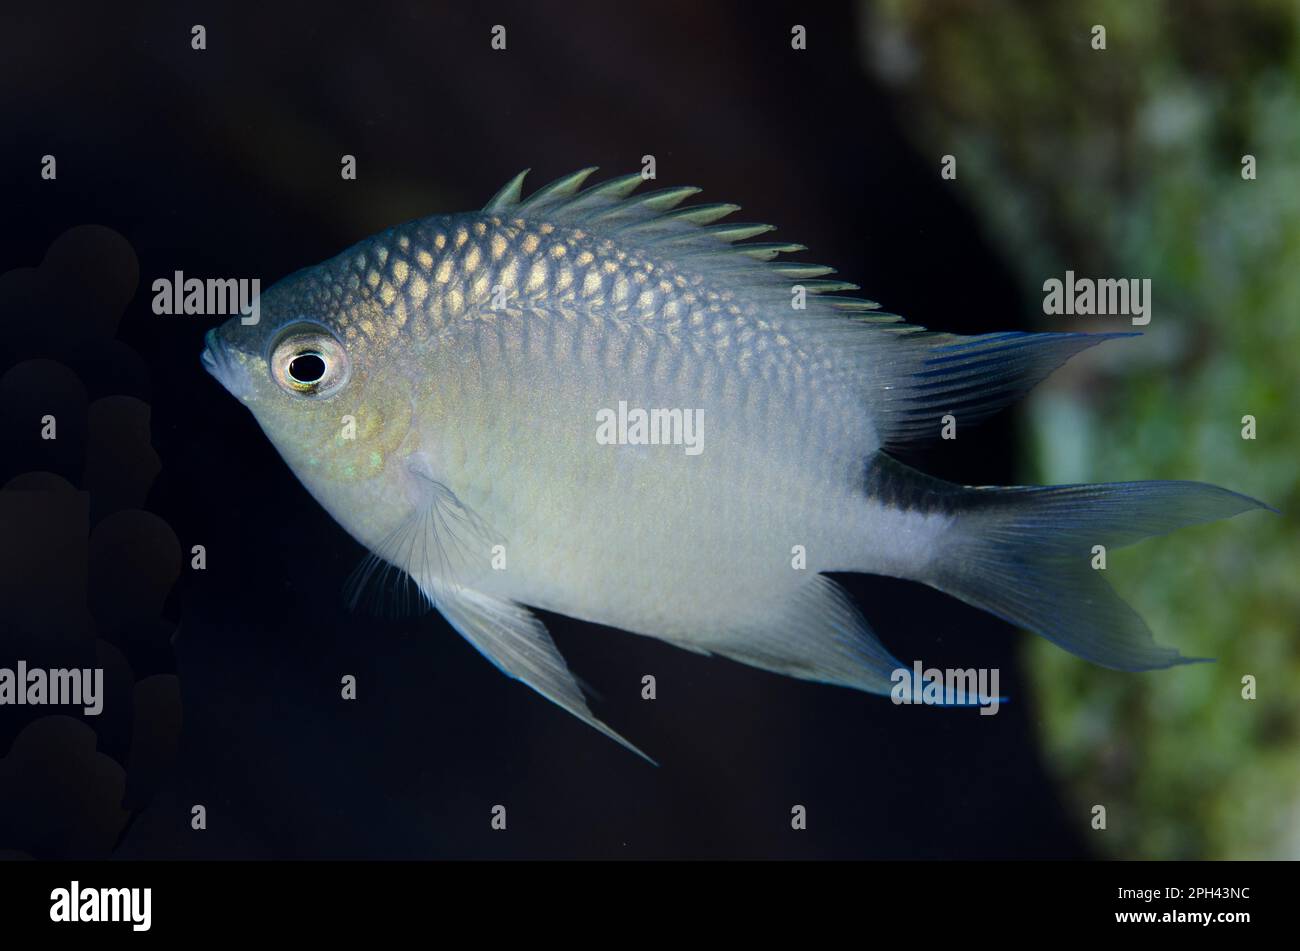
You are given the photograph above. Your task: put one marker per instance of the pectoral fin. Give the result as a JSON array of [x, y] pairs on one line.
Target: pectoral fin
[[517, 643], [441, 544]]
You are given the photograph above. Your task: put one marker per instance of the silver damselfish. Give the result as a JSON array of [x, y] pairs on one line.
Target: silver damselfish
[[441, 388]]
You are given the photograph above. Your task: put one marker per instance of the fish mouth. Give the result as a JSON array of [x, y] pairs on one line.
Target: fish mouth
[[213, 357], [209, 361], [225, 363]]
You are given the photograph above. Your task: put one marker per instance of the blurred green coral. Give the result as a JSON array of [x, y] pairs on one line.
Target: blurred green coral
[[1127, 162]]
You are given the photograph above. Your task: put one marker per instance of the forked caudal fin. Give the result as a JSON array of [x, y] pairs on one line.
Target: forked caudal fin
[[1026, 555]]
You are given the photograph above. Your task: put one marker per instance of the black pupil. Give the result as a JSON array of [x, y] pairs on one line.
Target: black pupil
[[307, 368]]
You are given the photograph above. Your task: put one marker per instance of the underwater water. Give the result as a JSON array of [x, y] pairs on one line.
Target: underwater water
[[224, 666]]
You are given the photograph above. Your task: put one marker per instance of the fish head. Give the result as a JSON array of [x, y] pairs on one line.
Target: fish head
[[322, 377]]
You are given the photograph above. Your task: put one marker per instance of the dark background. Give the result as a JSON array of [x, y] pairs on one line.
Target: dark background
[[225, 162]]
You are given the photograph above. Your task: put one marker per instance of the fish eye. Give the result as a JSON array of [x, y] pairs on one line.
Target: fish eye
[[307, 368], [309, 362]]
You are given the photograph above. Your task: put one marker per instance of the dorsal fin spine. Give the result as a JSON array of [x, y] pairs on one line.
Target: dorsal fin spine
[[509, 194], [702, 214], [560, 188], [738, 231], [662, 200]]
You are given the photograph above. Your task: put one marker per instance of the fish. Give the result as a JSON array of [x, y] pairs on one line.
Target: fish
[[617, 406]]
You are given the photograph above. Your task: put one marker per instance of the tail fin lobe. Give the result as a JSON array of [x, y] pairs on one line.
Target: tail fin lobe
[[1026, 555]]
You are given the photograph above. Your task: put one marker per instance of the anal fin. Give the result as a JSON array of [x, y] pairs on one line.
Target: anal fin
[[510, 636], [816, 635]]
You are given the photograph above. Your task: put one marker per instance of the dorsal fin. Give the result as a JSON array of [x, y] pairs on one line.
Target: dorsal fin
[[908, 377], [655, 219], [912, 382]]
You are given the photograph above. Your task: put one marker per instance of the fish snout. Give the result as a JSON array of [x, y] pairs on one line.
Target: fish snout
[[216, 359], [212, 347]]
